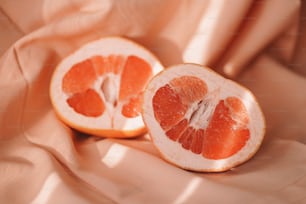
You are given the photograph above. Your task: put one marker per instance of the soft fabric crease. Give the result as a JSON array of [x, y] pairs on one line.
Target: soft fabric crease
[[259, 44]]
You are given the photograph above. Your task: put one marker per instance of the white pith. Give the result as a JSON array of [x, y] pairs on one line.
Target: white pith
[[109, 85], [173, 151], [112, 118], [200, 114]]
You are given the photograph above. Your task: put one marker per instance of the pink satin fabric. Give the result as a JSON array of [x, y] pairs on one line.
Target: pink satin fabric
[[259, 43]]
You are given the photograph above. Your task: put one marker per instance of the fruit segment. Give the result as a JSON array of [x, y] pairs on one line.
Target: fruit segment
[[189, 88], [79, 78], [136, 73], [168, 107], [224, 136], [197, 142], [215, 131], [175, 132], [87, 103], [133, 107], [109, 64]]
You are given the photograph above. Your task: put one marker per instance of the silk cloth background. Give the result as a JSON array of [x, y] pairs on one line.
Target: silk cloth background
[[261, 44]]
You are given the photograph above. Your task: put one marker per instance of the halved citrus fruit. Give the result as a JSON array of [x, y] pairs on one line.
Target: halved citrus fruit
[[201, 121], [98, 89]]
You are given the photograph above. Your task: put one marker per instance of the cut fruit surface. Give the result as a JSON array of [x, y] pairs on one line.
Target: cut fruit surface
[[201, 121], [98, 89]]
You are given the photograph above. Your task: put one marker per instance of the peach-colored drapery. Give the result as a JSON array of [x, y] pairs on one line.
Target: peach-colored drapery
[[259, 43]]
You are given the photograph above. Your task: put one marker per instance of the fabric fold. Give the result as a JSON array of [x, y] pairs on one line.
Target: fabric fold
[[260, 44]]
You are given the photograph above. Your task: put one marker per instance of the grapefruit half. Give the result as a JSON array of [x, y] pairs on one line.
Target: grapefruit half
[[98, 89], [201, 121]]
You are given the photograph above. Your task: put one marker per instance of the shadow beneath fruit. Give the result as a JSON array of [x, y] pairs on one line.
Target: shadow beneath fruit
[[274, 165], [145, 178], [144, 172]]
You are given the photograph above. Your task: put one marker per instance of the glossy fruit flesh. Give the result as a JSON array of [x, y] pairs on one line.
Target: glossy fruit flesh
[[199, 120], [122, 79]]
